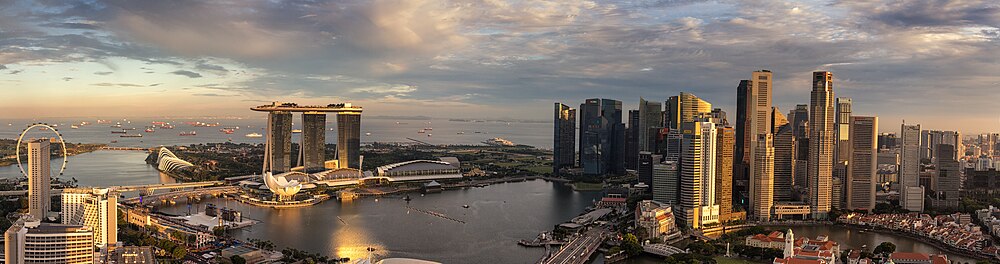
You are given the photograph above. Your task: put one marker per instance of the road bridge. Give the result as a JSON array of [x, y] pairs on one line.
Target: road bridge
[[182, 193], [145, 189], [578, 250], [124, 148], [661, 249]]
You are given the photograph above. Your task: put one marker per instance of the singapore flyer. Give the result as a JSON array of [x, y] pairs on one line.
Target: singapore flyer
[[43, 127]]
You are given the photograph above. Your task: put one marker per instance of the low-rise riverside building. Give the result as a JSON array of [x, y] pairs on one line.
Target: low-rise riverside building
[[954, 230], [657, 219]]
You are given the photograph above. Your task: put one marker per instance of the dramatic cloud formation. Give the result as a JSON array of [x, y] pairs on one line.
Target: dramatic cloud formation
[[928, 61]]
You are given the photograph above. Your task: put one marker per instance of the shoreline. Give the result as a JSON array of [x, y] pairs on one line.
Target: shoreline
[[97, 147], [926, 240]]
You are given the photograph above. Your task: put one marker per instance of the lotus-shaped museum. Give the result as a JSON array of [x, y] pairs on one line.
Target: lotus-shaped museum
[[280, 185]]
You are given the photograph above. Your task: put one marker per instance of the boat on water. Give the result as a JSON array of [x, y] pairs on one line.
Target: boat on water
[[119, 131], [368, 133], [226, 130], [167, 126], [296, 131], [119, 125], [465, 206], [131, 135], [429, 135], [189, 133], [407, 198], [74, 127], [498, 142], [114, 141], [429, 128], [461, 133], [149, 130], [421, 131], [254, 135]]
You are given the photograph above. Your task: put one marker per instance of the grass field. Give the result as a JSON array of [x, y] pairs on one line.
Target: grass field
[[539, 169], [725, 260]]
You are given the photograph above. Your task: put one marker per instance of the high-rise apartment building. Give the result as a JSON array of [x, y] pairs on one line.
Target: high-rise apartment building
[[863, 165], [762, 183], [29, 240], [349, 140], [564, 138], [313, 142], [821, 121], [279, 135], [911, 194], [39, 178], [93, 208], [602, 137]]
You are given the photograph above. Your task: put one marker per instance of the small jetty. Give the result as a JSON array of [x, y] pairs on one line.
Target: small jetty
[[432, 213]]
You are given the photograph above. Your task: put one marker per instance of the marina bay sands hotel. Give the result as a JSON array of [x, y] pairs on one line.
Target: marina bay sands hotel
[[312, 152]]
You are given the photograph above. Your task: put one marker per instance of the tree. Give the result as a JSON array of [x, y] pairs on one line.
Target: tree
[[178, 252], [884, 249], [236, 259], [631, 245]]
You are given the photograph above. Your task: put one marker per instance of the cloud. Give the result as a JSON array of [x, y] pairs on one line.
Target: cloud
[[117, 84], [73, 25], [104, 73], [16, 71], [189, 74]]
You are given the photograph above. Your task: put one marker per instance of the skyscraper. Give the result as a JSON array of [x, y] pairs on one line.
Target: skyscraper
[[645, 169], [911, 194], [650, 120], [349, 140], [279, 133], [313, 141], [784, 156], [821, 144], [672, 113], [800, 128], [94, 208], [564, 138], [724, 145], [602, 137], [861, 178], [632, 140], [842, 151], [741, 153], [666, 182], [948, 182], [39, 178], [762, 183]]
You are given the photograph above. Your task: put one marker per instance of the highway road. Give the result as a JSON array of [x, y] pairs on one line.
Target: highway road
[[579, 250]]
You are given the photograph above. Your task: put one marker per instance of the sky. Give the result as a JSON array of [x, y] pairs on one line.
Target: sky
[[932, 62]]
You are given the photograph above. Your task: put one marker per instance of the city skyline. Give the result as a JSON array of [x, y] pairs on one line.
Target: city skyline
[[91, 58]]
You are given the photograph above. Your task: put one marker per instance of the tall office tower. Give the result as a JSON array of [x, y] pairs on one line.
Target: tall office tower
[[709, 151], [39, 178], [863, 163], [672, 113], [887, 140], [650, 121], [741, 152], [778, 120], [926, 144], [94, 208], [821, 144], [800, 128], [666, 182], [720, 116], [784, 156], [632, 140], [645, 170], [29, 240], [842, 151], [602, 137], [724, 147], [911, 194], [691, 174], [349, 140], [673, 142], [313, 147], [693, 107], [946, 189], [762, 184], [758, 119], [564, 138], [279, 135]]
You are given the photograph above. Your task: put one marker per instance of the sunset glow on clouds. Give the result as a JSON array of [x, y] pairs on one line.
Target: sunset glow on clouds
[[932, 62]]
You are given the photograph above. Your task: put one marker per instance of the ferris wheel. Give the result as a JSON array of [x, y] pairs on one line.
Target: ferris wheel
[[17, 148]]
